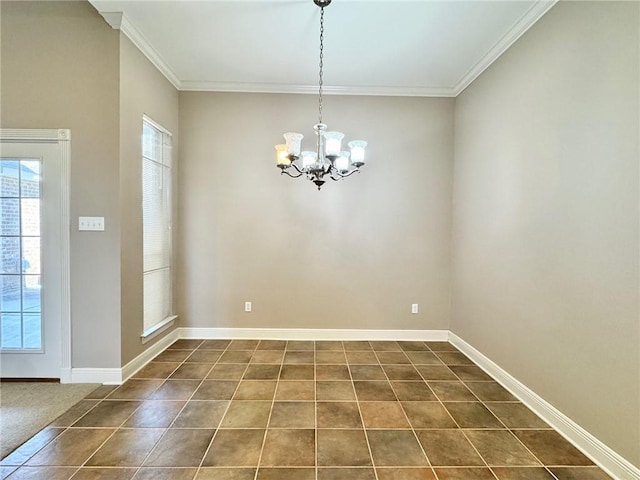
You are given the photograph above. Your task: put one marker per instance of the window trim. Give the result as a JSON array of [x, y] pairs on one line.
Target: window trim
[[167, 144]]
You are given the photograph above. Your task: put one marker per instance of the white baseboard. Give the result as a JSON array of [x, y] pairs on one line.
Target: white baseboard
[[116, 376], [145, 357], [598, 452], [107, 376], [602, 455], [314, 334]]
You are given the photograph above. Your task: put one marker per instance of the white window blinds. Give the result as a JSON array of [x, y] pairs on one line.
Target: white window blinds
[[156, 230]]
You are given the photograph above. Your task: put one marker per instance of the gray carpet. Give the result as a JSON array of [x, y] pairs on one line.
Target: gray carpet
[[26, 408]]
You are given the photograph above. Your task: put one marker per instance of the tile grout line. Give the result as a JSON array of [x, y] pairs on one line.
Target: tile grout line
[[315, 409], [442, 403], [350, 381], [64, 430], [553, 476], [191, 397], [455, 421], [415, 435], [117, 428], [506, 428], [168, 427], [109, 398], [226, 410], [364, 427], [266, 427]]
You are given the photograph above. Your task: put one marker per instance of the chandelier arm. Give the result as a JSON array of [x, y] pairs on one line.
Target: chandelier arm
[[297, 169], [292, 176], [343, 175]]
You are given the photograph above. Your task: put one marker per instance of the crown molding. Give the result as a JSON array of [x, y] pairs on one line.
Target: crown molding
[[119, 21], [313, 89], [524, 23]]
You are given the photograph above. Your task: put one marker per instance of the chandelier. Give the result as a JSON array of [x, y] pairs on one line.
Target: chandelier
[[328, 158]]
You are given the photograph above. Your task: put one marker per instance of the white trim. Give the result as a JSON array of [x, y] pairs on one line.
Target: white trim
[[107, 376], [147, 119], [117, 376], [119, 21], [157, 329], [145, 357], [35, 134], [62, 137], [524, 23], [201, 86], [153, 326], [602, 455], [114, 19], [65, 375], [313, 334]]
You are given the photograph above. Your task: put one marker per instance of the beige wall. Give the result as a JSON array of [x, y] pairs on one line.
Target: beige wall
[[64, 67], [355, 255], [545, 217], [143, 90], [60, 70]]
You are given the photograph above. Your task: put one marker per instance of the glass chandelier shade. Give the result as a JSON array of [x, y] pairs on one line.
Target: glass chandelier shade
[[328, 158]]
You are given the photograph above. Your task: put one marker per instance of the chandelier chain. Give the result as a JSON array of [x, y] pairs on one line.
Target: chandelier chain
[[329, 161], [321, 64]]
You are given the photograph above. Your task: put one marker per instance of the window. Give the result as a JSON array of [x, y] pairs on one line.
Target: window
[[156, 229]]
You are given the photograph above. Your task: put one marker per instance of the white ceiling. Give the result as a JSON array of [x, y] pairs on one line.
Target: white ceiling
[[378, 47]]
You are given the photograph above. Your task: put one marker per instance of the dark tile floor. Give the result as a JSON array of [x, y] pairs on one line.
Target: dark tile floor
[[303, 410]]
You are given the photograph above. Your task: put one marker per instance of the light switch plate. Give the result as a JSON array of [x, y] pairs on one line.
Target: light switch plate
[[91, 224]]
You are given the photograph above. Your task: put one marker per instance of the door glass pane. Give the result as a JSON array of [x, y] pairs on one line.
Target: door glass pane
[[10, 178], [30, 216], [30, 255], [30, 179], [10, 209], [31, 298], [10, 294], [10, 257], [21, 296], [10, 330], [31, 331]]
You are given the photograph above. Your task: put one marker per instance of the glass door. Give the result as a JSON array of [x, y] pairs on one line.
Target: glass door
[[34, 234], [20, 258]]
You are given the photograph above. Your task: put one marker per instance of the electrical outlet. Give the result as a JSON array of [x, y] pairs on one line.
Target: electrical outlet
[[247, 306], [414, 308]]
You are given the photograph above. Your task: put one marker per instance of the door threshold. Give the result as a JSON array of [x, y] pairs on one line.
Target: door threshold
[[29, 380]]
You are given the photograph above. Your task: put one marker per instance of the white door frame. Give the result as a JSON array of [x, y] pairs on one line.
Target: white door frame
[[62, 137]]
